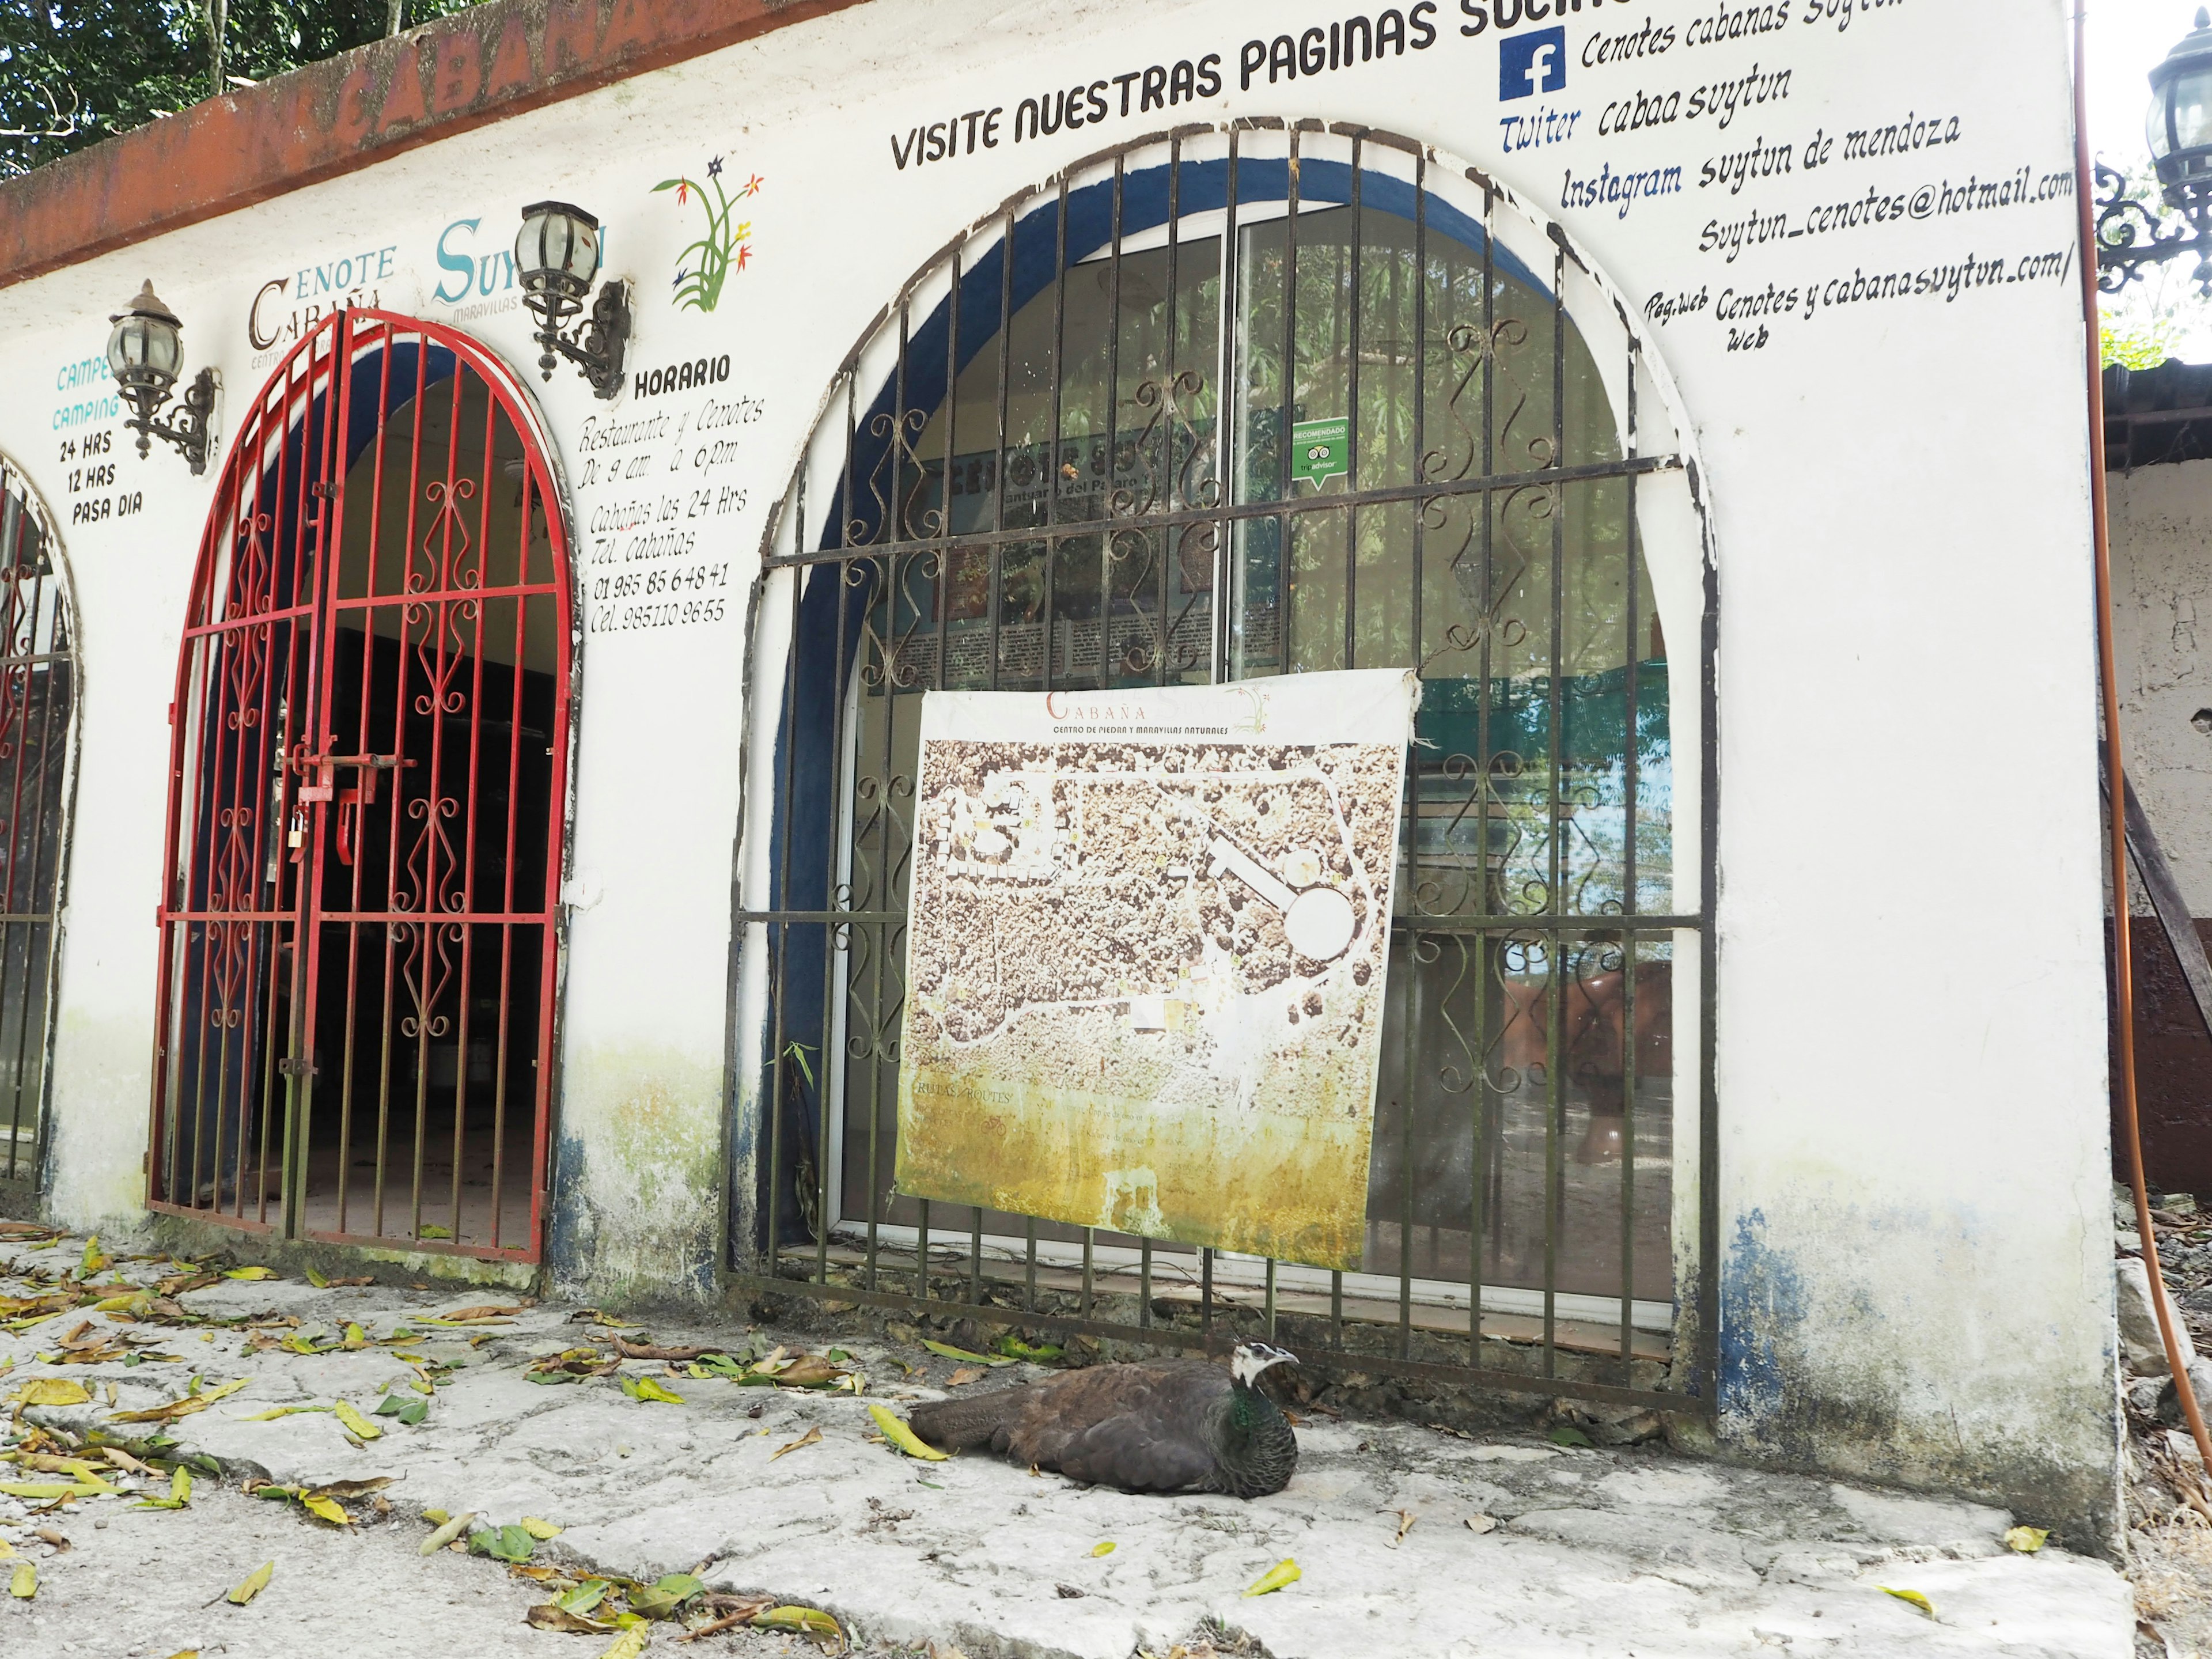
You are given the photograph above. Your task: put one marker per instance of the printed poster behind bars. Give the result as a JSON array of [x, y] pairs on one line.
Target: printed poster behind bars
[[1146, 961]]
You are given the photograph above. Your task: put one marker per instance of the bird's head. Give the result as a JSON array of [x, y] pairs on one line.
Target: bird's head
[[1251, 1358]]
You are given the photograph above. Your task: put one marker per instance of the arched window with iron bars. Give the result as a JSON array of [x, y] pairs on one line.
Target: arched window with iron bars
[[38, 727], [1228, 405]]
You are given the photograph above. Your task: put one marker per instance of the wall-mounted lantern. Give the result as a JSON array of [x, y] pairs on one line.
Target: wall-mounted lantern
[[2178, 124], [556, 256], [145, 350]]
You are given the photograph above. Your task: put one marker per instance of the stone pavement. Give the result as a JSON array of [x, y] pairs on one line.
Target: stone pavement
[[1601, 1552]]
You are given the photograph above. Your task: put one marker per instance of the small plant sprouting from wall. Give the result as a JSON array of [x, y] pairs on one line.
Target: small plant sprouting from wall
[[702, 267]]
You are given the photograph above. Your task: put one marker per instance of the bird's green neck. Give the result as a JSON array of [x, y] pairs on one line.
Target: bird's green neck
[[1245, 1409], [1254, 1444]]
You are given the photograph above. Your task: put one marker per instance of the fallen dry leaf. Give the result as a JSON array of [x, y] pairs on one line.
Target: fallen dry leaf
[[899, 1433], [349, 1489], [448, 1532], [1406, 1519], [809, 1370], [254, 1584], [734, 1610], [185, 1408], [648, 1350], [965, 1375], [546, 1615], [52, 1391], [811, 1437]]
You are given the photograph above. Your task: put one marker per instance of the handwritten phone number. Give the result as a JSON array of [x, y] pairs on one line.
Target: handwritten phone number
[[650, 584], [634, 618]]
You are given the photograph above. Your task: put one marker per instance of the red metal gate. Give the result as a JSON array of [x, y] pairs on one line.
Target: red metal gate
[[369, 757]]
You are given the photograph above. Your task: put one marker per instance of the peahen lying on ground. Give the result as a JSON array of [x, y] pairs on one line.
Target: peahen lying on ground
[[1165, 1425]]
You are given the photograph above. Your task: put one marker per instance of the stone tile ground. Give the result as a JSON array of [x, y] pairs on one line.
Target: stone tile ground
[[1597, 1551]]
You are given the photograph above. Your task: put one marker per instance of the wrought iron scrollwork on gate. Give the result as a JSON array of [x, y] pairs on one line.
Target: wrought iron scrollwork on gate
[[1090, 450], [38, 726], [368, 767]]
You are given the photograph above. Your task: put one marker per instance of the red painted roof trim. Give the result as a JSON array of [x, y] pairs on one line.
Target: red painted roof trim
[[485, 65]]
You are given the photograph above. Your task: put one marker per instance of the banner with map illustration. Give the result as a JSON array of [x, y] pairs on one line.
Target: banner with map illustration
[[1149, 935]]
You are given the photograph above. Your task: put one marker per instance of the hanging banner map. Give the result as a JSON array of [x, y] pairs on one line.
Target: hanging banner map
[[1146, 961]]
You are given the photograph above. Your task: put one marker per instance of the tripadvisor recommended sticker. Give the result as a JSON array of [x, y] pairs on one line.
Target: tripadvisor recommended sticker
[[1321, 450]]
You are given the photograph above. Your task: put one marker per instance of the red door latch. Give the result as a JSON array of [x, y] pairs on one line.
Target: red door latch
[[350, 800]]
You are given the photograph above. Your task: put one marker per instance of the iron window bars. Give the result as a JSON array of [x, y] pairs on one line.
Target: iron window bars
[[1069, 457], [369, 750], [37, 724]]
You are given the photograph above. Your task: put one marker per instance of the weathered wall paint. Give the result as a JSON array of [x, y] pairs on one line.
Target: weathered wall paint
[[1910, 1181], [1823, 1367], [637, 1175], [2161, 524]]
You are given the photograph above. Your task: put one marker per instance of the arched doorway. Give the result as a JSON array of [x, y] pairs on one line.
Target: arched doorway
[[38, 727], [369, 756], [1230, 406]]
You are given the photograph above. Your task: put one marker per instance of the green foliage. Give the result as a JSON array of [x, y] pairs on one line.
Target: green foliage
[[2136, 343], [74, 72]]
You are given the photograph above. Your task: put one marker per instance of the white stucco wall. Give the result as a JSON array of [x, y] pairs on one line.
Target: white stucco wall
[[2161, 532], [1914, 1274]]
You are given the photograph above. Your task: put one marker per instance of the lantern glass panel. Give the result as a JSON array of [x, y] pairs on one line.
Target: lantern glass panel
[[165, 348], [140, 343], [557, 246], [2191, 97], [126, 345]]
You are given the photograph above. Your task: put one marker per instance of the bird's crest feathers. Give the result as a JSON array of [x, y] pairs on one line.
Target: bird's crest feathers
[[1251, 1358]]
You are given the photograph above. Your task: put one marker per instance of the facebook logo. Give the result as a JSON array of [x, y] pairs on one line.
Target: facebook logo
[[1532, 63]]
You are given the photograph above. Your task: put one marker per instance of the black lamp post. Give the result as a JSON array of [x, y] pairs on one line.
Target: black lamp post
[[556, 256], [145, 350]]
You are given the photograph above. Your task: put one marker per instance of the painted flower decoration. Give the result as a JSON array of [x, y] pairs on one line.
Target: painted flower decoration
[[702, 268]]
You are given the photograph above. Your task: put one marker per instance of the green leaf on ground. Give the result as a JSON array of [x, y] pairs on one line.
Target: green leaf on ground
[[510, 1544], [946, 1350], [665, 1595]]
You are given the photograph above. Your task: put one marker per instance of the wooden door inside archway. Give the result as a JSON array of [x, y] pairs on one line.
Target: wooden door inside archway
[[369, 756]]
